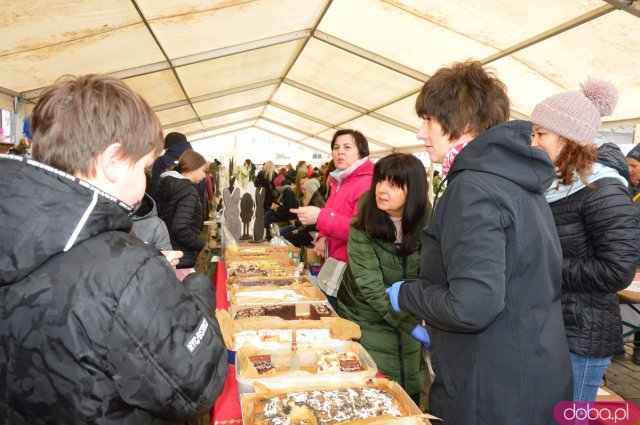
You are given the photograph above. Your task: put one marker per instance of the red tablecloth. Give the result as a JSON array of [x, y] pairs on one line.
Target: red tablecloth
[[226, 410]]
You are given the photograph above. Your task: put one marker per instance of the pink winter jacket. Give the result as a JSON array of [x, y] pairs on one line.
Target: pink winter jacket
[[335, 218]]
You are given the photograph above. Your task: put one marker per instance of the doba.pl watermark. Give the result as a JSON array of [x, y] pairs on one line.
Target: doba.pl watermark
[[596, 413]]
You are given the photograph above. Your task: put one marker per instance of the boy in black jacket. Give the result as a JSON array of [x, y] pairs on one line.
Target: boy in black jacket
[[95, 327]]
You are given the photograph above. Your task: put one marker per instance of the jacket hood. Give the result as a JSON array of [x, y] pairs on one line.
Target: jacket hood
[[46, 212], [146, 209], [609, 154], [174, 151], [505, 150]]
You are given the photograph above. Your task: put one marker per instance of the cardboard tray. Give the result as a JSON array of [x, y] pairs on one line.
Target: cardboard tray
[[284, 377], [275, 294], [338, 328], [260, 281], [302, 309], [414, 416]]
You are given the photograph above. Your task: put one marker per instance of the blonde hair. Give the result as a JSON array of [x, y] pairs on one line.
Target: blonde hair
[[269, 170]]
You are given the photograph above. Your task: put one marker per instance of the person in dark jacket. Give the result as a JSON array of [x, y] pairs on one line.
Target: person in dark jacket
[[302, 235], [597, 224], [95, 328], [287, 201], [384, 247], [149, 227], [265, 179], [490, 271], [180, 206], [175, 144], [633, 162]]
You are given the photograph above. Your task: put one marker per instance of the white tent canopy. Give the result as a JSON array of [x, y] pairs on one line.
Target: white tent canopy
[[300, 69]]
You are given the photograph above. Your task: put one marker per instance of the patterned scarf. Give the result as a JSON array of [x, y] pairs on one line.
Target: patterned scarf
[[451, 156]]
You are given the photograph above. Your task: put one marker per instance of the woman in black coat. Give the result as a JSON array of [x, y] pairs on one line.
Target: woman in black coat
[[597, 224], [180, 206], [287, 201], [490, 270], [265, 179]]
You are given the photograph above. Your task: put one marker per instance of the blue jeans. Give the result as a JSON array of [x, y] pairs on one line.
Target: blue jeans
[[587, 375]]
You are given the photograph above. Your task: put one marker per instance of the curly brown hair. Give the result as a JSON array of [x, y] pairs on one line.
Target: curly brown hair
[[575, 157]]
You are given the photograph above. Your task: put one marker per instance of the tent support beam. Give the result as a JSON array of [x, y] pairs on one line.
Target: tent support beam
[[627, 6], [589, 16]]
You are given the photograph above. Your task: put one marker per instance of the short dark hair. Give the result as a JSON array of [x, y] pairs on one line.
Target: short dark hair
[[77, 118], [361, 142], [406, 171], [464, 98]]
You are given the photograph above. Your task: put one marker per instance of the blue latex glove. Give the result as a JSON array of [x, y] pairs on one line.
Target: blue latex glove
[[393, 292], [420, 333]]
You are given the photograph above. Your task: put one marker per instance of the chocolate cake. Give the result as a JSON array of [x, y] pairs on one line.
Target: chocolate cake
[[285, 311], [263, 364]]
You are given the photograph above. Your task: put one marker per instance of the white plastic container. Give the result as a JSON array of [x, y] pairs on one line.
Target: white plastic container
[[283, 379]]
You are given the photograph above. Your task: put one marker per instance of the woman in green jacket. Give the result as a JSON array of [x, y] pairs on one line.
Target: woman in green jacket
[[384, 247]]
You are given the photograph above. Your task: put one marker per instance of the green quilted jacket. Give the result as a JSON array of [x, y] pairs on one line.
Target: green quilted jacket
[[373, 266]]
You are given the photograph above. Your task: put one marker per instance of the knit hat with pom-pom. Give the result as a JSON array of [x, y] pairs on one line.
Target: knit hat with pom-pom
[[575, 115]]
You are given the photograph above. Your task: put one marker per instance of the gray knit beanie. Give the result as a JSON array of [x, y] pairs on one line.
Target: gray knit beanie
[[575, 115]]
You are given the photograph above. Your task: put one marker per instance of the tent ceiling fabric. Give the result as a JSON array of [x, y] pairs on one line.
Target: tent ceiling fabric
[[302, 69]]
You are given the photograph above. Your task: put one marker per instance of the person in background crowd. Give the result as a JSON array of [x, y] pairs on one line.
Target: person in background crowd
[[96, 328], [24, 145], [351, 178], [491, 261], [150, 228], [251, 169], [287, 202], [175, 144], [324, 180], [633, 162], [265, 179], [214, 173], [384, 247], [180, 206], [291, 173], [597, 224], [301, 173], [209, 196], [306, 235], [282, 172]]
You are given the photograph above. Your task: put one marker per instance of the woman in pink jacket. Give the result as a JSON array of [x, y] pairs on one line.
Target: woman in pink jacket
[[351, 178]]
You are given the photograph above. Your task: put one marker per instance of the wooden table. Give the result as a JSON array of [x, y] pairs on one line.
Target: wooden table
[[631, 298]]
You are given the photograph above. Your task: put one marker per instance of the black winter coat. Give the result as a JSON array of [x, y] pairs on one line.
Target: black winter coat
[[181, 211], [289, 201], [165, 162], [600, 239], [489, 287], [269, 189], [94, 326]]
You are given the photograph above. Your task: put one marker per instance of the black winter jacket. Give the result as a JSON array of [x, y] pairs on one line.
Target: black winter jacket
[[181, 211], [94, 326], [489, 287], [289, 201], [598, 229], [269, 189], [165, 162]]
